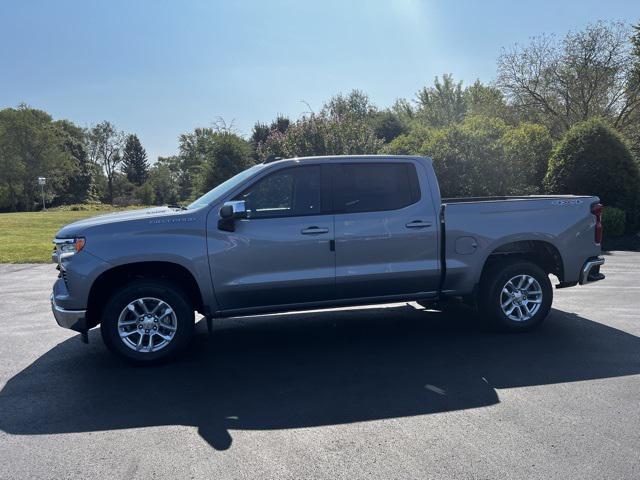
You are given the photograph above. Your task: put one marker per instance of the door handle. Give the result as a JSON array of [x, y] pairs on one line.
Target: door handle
[[418, 224], [314, 230]]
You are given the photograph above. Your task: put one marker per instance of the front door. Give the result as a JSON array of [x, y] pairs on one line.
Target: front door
[[282, 253], [386, 230]]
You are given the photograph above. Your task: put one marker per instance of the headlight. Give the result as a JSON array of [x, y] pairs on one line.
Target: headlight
[[66, 247]]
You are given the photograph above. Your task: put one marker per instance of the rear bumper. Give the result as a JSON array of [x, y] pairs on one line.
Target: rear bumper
[[591, 271], [71, 319]]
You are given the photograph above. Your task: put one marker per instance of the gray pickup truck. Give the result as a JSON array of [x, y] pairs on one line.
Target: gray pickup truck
[[308, 233]]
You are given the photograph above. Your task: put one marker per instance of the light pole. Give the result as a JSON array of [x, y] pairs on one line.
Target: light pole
[[41, 182]]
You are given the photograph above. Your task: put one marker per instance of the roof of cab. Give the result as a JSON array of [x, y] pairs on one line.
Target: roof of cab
[[348, 157]]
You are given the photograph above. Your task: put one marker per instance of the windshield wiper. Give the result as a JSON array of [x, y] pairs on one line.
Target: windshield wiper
[[179, 207]]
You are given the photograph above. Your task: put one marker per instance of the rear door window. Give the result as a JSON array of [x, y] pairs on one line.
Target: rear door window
[[373, 187]]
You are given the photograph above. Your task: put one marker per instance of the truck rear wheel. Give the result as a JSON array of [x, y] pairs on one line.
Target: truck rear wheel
[[515, 295], [147, 321]]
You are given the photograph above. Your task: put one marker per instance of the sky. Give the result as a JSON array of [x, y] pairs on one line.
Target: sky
[[161, 68]]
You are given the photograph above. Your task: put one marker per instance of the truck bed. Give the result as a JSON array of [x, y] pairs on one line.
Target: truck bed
[[475, 227]]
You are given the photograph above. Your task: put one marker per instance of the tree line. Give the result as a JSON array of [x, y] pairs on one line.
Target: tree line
[[561, 116]]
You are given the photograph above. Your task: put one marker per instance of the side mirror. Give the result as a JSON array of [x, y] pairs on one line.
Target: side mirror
[[226, 212], [229, 212]]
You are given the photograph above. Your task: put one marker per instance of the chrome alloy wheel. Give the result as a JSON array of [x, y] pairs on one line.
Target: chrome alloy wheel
[[521, 298], [147, 324]]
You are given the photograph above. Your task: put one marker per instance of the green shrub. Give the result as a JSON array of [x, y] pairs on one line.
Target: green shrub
[[526, 154], [613, 221], [410, 143], [593, 159], [145, 194], [481, 155], [468, 157]]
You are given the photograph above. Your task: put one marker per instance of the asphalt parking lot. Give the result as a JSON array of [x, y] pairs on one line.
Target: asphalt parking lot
[[377, 392]]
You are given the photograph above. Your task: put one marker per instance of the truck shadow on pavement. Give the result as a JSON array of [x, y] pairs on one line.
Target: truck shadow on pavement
[[311, 369]]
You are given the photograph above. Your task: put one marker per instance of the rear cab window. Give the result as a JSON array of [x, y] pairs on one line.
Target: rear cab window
[[374, 187]]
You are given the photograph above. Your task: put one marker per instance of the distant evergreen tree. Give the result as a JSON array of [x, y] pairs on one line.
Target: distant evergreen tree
[[134, 161]]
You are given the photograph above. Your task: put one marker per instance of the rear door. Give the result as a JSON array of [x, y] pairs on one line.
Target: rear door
[[282, 253], [385, 230]]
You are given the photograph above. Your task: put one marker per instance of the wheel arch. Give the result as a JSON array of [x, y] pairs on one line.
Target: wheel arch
[[109, 280], [542, 253]]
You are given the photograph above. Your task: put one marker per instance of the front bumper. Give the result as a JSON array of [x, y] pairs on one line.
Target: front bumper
[[591, 271], [72, 319]]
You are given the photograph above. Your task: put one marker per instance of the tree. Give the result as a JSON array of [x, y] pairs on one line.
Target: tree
[[563, 82], [195, 153], [488, 101], [593, 159], [31, 145], [105, 145], [280, 124], [468, 157], [230, 154], [353, 106], [81, 186], [134, 161], [317, 134], [448, 102], [163, 178], [410, 143], [146, 194], [387, 125], [404, 110], [259, 134], [124, 192], [261, 131], [526, 150], [481, 155], [342, 127], [443, 104], [632, 131], [635, 52], [207, 156], [13, 171]]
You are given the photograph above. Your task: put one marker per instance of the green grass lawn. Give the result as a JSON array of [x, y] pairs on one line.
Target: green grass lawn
[[26, 237]]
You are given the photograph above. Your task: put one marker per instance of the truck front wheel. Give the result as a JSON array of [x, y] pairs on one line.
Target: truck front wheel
[[515, 295], [147, 320]]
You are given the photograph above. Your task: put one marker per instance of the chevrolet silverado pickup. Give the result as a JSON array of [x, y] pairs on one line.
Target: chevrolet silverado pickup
[[316, 232]]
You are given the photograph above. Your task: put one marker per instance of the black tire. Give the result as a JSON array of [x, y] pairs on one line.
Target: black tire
[[148, 288], [491, 295]]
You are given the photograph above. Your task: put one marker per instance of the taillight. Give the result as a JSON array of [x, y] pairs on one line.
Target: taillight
[[596, 209]]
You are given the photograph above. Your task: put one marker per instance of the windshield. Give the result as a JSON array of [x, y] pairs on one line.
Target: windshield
[[225, 186]]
